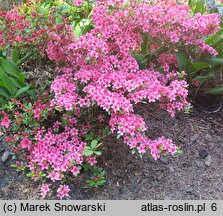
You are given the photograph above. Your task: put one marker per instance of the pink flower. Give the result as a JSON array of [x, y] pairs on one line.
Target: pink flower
[[5, 121], [100, 118], [63, 191], [78, 2], [142, 149], [196, 83], [74, 170], [44, 190], [91, 160], [55, 176], [37, 114], [26, 143]]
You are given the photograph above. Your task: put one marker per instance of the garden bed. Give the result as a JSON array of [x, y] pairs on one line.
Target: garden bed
[[128, 177], [88, 87]]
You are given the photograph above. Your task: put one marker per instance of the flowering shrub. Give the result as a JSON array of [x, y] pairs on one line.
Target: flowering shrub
[[106, 64], [126, 59]]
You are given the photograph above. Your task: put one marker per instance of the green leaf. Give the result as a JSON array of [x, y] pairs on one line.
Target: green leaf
[[198, 66], [133, 151], [179, 151], [214, 91], [82, 27], [214, 37], [218, 44], [21, 77], [4, 92], [215, 61], [89, 136], [16, 83], [9, 85], [203, 77], [14, 165], [22, 91], [94, 144], [86, 166], [97, 153], [30, 174], [32, 93], [25, 58], [141, 59], [160, 70], [15, 55], [88, 152], [182, 59], [197, 6], [144, 45], [9, 67]]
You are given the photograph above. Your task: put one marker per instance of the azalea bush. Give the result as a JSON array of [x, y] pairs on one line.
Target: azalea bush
[[127, 57]]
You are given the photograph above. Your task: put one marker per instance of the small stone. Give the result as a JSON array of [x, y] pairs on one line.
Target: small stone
[[3, 141], [26, 190], [5, 156], [188, 189], [208, 137], [164, 159], [167, 197], [194, 138], [2, 150], [199, 163], [203, 153], [6, 190], [207, 160], [159, 177], [172, 170]]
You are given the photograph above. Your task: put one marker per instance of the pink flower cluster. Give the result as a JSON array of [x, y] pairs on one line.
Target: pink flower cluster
[[64, 91], [58, 152], [44, 190], [51, 152], [157, 147], [127, 123]]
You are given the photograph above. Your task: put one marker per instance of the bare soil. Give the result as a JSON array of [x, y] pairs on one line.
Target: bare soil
[[185, 177]]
